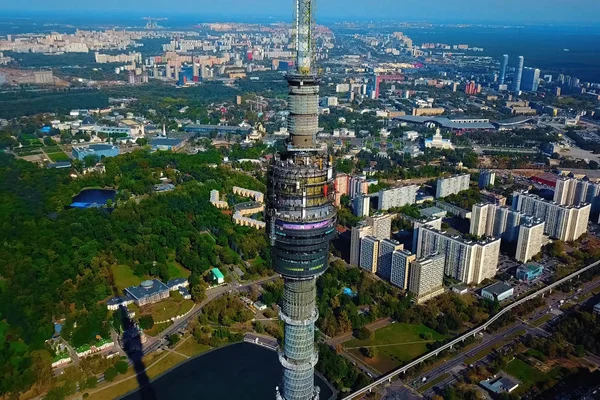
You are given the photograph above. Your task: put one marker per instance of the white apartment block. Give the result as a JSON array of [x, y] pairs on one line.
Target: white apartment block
[[358, 232], [382, 225], [496, 221], [384, 263], [574, 192], [397, 197], [361, 206], [427, 278], [466, 260], [369, 253], [486, 178], [566, 223], [531, 238], [401, 260], [452, 185]]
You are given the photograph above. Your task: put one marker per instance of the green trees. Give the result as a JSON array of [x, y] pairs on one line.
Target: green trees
[[57, 261], [110, 374], [146, 321], [173, 339]]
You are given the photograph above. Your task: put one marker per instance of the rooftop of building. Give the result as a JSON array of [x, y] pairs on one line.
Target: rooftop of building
[[166, 141], [176, 281], [147, 288], [483, 242], [217, 273], [497, 288], [445, 122], [538, 198], [225, 128], [530, 267]]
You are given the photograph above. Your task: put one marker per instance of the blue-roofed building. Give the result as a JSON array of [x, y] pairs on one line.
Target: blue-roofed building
[[60, 164], [177, 283], [206, 130], [120, 301], [96, 150], [148, 292], [447, 123], [499, 385], [185, 293], [529, 272], [166, 143]]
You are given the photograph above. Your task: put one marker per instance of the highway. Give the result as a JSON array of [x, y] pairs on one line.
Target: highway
[[473, 332]]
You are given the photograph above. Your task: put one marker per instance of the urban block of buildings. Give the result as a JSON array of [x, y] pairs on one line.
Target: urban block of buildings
[[451, 185], [466, 260], [566, 223]]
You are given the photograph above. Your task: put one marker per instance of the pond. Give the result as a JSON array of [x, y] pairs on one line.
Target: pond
[[241, 371]]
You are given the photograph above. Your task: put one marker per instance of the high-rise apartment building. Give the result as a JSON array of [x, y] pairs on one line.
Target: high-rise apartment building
[[566, 223], [573, 192], [361, 205], [503, 67], [427, 278], [452, 185], [401, 260], [384, 262], [382, 225], [357, 233], [358, 185], [486, 178], [466, 260], [496, 221], [369, 253], [397, 197], [531, 79], [518, 76], [531, 238], [342, 187]]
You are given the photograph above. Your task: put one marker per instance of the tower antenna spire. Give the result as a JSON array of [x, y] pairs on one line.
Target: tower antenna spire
[[300, 214]]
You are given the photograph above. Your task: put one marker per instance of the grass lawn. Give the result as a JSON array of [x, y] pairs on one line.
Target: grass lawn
[[168, 308], [118, 390], [158, 328], [192, 348], [176, 270], [396, 343], [542, 320], [432, 383], [124, 276], [528, 375], [56, 157]]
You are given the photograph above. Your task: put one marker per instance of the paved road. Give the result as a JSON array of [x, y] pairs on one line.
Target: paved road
[[211, 294], [456, 363]]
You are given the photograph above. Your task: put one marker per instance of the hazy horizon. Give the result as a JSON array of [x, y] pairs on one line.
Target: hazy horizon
[[448, 11]]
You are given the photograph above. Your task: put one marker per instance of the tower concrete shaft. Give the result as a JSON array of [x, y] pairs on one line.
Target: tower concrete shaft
[[300, 215]]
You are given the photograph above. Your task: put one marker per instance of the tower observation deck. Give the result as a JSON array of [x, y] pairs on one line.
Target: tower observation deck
[[300, 215]]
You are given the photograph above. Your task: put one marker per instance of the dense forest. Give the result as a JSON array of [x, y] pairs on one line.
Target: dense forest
[[55, 262]]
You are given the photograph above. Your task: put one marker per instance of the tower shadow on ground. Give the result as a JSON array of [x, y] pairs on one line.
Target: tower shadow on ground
[[132, 345]]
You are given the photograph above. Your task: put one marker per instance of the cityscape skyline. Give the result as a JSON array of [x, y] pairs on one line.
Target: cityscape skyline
[[581, 11]]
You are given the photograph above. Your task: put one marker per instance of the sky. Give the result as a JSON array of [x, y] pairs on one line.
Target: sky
[[505, 11]]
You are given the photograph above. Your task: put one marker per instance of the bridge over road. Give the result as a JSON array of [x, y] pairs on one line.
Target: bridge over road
[[473, 332]]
